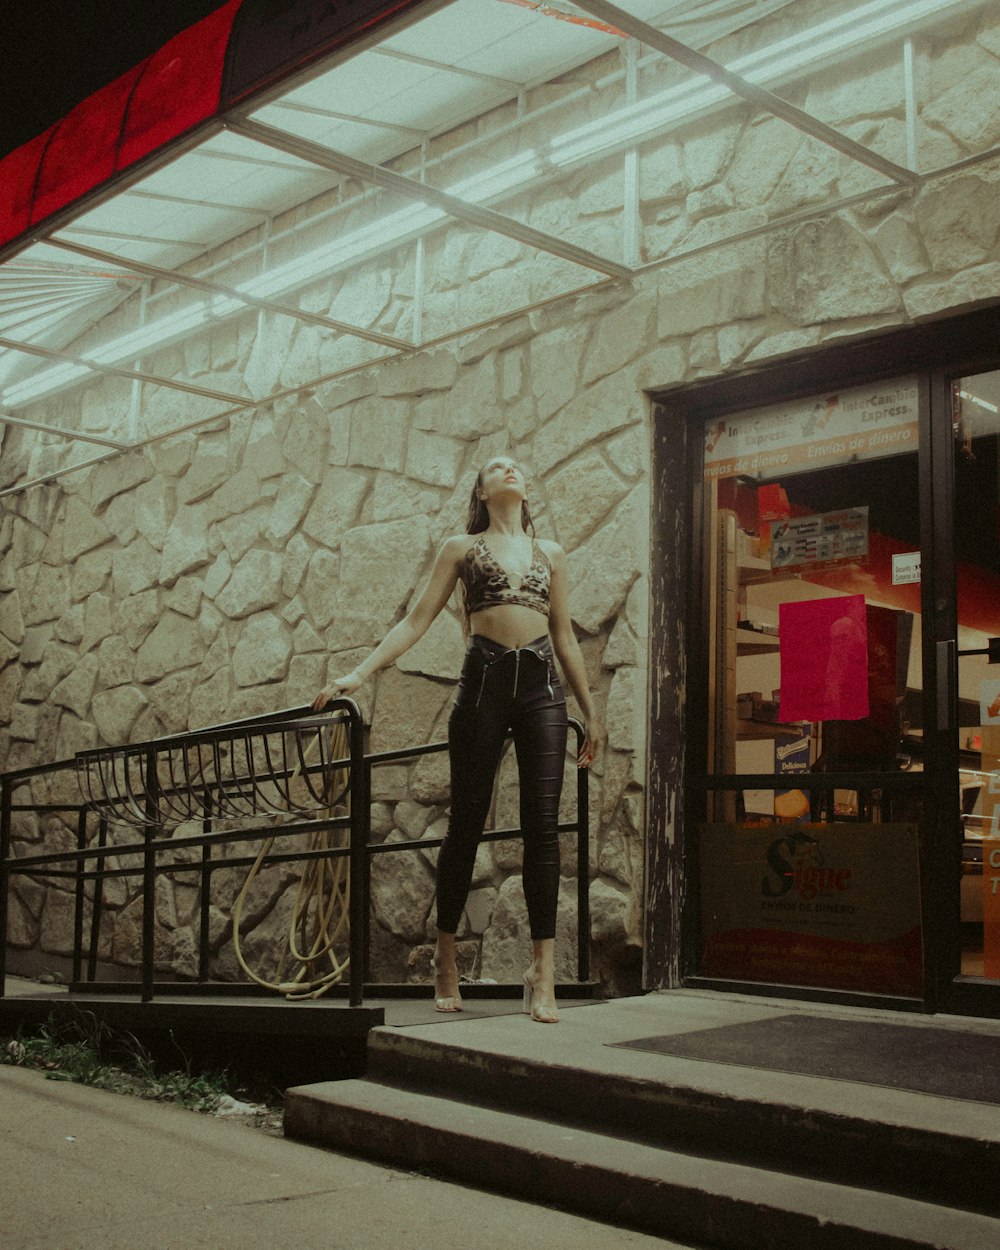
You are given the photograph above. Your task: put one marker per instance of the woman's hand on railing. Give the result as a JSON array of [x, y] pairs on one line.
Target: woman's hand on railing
[[592, 734], [338, 687]]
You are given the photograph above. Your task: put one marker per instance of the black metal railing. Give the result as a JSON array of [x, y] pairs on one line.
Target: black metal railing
[[281, 766]]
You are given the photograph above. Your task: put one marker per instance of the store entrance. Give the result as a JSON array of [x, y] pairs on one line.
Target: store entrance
[[808, 857], [973, 692]]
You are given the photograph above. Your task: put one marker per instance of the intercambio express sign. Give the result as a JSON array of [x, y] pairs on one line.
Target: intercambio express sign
[[865, 423]]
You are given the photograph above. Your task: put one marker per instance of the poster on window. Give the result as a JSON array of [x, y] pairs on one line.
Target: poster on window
[[835, 906]]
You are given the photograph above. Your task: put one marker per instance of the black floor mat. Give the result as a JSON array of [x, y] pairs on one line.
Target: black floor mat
[[944, 1062]]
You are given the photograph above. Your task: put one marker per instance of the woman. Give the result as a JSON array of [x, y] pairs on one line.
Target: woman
[[516, 604]]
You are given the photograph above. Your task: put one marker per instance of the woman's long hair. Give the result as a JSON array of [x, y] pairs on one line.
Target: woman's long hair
[[478, 521]]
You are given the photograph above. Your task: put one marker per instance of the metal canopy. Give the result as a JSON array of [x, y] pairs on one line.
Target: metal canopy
[[475, 117]]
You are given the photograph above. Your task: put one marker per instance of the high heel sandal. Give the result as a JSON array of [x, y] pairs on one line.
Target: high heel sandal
[[543, 1013], [446, 1002]]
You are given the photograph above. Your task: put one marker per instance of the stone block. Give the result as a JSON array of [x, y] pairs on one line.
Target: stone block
[[706, 150], [49, 596], [255, 584], [608, 912], [135, 568], [406, 710], [336, 506], [240, 491], [77, 688], [24, 719], [186, 545], [900, 247], [82, 530], [973, 288], [507, 942], [56, 935], [97, 622], [556, 368], [135, 615], [370, 604], [626, 711], [153, 509], [289, 507], [395, 496], [378, 433], [115, 662], [294, 560], [431, 780], [116, 711], [114, 477], [11, 620], [603, 569], [174, 643], [90, 573], [826, 271], [237, 534], [69, 627], [660, 175], [319, 588], [439, 653], [419, 373], [581, 494], [402, 891], [263, 651], [717, 291], [958, 221], [970, 110], [602, 409], [433, 458], [620, 336], [207, 473]]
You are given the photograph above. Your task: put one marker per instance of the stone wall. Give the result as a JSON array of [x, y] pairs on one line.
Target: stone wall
[[232, 570]]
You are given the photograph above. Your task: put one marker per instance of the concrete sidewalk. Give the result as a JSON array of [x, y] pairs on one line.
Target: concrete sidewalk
[[81, 1168]]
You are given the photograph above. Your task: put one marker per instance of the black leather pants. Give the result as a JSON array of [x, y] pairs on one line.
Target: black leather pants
[[504, 690]]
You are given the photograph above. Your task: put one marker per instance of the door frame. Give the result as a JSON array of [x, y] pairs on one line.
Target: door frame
[[935, 352]]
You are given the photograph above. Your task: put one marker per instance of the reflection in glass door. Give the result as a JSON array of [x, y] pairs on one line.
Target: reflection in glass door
[[808, 861], [976, 412]]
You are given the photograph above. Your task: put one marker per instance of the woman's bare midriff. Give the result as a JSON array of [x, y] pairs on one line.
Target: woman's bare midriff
[[510, 624]]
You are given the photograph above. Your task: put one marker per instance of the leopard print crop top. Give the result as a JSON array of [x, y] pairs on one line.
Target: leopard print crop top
[[487, 584]]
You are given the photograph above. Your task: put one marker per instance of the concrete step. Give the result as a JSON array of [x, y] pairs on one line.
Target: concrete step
[[918, 1152], [708, 1202]]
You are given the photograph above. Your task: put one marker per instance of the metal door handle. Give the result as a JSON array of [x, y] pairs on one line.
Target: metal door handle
[[946, 659]]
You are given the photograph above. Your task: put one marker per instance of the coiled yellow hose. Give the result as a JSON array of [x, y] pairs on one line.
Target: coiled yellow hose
[[319, 920]]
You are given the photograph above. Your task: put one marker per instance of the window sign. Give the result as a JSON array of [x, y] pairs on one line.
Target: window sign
[[812, 541], [834, 905], [906, 568], [864, 423]]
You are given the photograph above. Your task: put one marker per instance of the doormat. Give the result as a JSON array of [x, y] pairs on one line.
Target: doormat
[[943, 1062]]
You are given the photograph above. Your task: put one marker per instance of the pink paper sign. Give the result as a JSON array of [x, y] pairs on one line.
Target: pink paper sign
[[823, 647]]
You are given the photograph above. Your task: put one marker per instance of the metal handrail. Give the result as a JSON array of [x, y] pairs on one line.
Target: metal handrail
[[163, 783]]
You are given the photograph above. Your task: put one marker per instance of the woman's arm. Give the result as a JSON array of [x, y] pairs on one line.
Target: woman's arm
[[569, 655], [410, 629]]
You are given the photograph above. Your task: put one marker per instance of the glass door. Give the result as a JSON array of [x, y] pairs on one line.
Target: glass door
[[808, 856], [975, 687]]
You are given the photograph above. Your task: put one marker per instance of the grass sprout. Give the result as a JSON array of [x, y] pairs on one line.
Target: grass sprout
[[87, 1052]]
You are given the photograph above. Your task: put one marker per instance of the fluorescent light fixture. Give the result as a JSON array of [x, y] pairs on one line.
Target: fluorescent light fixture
[[625, 127]]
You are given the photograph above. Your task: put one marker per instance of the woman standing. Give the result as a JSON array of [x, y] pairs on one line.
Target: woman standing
[[516, 603]]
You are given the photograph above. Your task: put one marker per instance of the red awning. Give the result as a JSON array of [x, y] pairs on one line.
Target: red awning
[[229, 55]]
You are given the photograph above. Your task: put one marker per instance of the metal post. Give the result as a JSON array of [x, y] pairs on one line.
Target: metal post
[[98, 907], [360, 819], [150, 833], [582, 866], [80, 895], [5, 800], [205, 895]]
